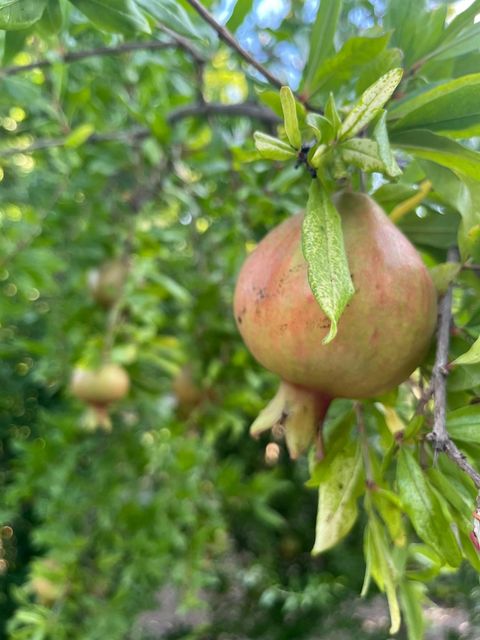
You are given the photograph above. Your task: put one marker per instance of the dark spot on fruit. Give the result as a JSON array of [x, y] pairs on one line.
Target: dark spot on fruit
[[340, 485], [283, 327], [239, 319]]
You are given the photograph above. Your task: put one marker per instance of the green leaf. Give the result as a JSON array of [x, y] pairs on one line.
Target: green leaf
[[79, 135], [339, 69], [363, 153], [239, 13], [20, 14], [431, 146], [444, 274], [452, 107], [424, 509], [380, 135], [462, 378], [324, 251], [405, 18], [321, 40], [412, 594], [52, 19], [381, 566], [472, 356], [388, 59], [464, 424], [171, 14], [290, 117], [322, 127], [331, 113], [463, 43], [370, 103], [462, 21], [337, 500], [453, 492], [116, 16], [463, 194], [273, 148]]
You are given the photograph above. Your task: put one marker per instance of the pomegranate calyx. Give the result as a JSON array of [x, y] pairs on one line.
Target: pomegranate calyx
[[297, 414]]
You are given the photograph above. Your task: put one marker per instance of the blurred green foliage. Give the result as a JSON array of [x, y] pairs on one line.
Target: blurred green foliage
[[97, 162]]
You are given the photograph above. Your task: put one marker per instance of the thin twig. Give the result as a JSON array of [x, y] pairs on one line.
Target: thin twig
[[225, 35], [74, 56], [247, 109], [228, 38], [439, 435]]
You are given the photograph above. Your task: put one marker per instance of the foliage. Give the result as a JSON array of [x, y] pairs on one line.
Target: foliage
[[130, 132]]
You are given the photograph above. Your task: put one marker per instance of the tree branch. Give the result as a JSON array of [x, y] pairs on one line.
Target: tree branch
[[225, 35], [74, 56], [439, 435], [247, 109]]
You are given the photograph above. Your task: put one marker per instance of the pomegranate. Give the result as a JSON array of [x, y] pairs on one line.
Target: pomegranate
[[187, 393], [99, 388], [106, 282], [383, 334]]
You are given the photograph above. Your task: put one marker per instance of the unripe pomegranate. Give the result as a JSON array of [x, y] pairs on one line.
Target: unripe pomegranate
[[187, 393], [106, 282], [383, 334], [100, 386]]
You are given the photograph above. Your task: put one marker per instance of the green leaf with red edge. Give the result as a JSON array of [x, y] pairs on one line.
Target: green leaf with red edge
[[424, 509]]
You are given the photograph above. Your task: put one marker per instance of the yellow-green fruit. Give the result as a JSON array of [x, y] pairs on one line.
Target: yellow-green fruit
[[100, 386]]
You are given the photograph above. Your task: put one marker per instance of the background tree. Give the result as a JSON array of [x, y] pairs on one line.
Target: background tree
[[127, 148]]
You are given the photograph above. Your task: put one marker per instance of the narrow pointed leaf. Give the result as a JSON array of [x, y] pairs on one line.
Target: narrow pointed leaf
[[380, 135], [370, 103], [382, 567], [424, 509], [431, 146], [451, 107], [273, 148], [331, 114], [290, 117], [324, 251], [321, 39]]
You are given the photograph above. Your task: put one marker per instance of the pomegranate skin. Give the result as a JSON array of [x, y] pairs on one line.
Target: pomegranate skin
[[100, 386], [385, 330]]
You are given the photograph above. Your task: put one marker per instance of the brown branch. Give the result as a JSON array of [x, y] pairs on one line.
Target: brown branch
[[247, 109], [439, 435], [74, 56], [225, 35]]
